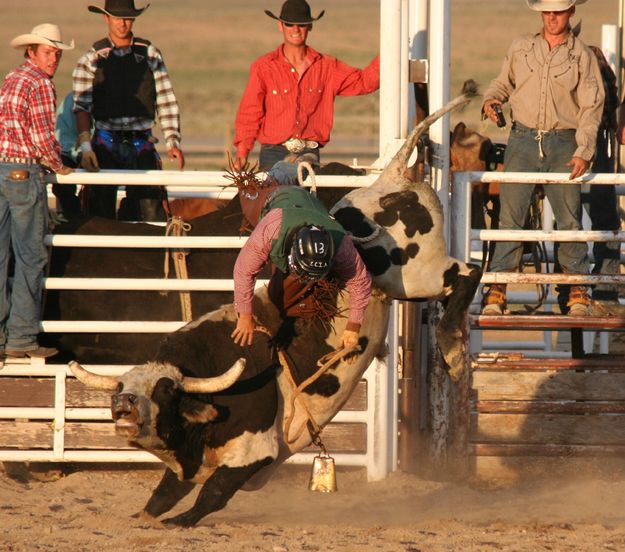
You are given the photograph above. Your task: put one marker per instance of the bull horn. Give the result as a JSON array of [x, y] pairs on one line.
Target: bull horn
[[400, 161], [219, 383], [95, 381]]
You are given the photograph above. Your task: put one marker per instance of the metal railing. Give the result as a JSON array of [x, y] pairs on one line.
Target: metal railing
[[380, 413], [463, 237]]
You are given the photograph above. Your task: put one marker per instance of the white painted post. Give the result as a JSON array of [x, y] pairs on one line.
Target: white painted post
[[439, 48], [58, 424], [417, 40], [390, 77], [609, 44]]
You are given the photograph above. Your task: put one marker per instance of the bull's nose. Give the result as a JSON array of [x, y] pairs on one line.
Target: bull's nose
[[123, 402]]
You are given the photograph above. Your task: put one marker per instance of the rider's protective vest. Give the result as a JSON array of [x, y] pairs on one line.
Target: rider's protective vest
[[299, 208]]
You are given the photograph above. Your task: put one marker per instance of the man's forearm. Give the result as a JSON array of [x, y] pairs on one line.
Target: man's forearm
[[83, 122]]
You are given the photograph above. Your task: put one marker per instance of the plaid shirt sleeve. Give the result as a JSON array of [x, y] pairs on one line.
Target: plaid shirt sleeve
[[42, 104], [167, 110], [82, 82]]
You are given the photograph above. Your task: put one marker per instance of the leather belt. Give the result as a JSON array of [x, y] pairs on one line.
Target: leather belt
[[297, 145], [19, 161]]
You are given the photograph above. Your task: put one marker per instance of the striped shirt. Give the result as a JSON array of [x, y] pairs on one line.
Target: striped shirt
[[348, 266], [279, 104], [27, 106], [167, 111]]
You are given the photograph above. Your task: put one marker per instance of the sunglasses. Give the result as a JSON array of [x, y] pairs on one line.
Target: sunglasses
[[300, 25]]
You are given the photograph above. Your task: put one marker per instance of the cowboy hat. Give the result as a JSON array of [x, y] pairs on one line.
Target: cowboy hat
[[552, 5], [119, 8], [46, 33], [295, 12]]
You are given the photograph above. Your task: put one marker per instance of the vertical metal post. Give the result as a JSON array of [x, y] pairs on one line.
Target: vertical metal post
[[414, 29], [58, 424], [390, 74], [439, 48]]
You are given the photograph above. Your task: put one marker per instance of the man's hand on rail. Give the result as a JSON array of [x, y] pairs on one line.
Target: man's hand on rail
[[579, 167], [65, 170], [174, 153], [89, 161]]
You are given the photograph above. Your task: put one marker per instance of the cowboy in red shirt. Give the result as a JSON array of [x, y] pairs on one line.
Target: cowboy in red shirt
[[288, 104], [27, 146]]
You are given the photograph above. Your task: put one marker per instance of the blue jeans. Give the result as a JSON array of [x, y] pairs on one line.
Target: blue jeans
[[522, 155], [23, 224], [270, 154]]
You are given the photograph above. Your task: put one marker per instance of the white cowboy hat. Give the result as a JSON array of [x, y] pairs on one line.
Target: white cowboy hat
[[552, 5], [46, 33]]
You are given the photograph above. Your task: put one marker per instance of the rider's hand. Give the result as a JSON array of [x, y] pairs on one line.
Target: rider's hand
[[243, 334]]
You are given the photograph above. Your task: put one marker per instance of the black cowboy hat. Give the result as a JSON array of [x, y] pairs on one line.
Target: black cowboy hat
[[296, 12], [119, 8]]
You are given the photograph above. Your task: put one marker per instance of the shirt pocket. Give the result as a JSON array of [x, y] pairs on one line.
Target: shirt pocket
[[278, 99], [312, 96], [525, 66], [565, 76]]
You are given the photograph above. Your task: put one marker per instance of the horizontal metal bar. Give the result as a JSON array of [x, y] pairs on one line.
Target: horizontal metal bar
[[27, 412], [139, 456], [97, 414], [351, 417], [49, 413], [158, 242], [144, 284], [550, 236], [78, 456], [542, 278], [11, 369], [341, 458], [192, 179], [538, 178], [105, 326]]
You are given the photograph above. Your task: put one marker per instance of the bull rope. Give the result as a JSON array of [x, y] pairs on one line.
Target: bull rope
[[178, 227], [324, 363]]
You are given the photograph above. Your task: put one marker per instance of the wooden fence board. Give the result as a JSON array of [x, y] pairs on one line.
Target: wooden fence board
[[599, 429], [26, 435], [550, 407], [39, 392], [515, 386], [338, 437]]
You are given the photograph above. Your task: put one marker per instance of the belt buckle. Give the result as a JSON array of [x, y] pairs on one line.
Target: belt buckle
[[19, 175], [295, 145]]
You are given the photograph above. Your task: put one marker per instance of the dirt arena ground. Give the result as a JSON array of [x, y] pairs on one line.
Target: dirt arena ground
[[91, 511]]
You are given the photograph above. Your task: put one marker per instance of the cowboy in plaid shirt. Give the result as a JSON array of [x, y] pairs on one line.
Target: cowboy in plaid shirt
[[27, 145], [123, 85]]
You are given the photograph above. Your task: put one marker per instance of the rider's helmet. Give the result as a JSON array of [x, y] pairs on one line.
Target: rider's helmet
[[312, 253]]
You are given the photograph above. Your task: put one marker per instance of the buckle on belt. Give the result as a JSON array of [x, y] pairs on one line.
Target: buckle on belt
[[297, 145]]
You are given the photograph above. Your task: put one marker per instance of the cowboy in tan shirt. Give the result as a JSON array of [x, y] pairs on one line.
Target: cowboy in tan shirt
[[553, 83]]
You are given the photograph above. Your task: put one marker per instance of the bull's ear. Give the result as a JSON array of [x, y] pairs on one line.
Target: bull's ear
[[197, 412]]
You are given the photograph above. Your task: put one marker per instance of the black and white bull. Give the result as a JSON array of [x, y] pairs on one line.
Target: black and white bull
[[399, 230], [216, 414], [186, 408]]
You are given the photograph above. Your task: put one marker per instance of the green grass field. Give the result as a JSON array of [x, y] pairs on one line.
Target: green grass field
[[208, 46]]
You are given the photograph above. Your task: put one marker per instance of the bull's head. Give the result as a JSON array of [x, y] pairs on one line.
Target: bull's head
[[150, 402]]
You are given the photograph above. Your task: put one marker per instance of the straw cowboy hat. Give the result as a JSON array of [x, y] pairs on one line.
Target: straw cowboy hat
[[46, 33], [295, 12], [119, 8], [553, 5]]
